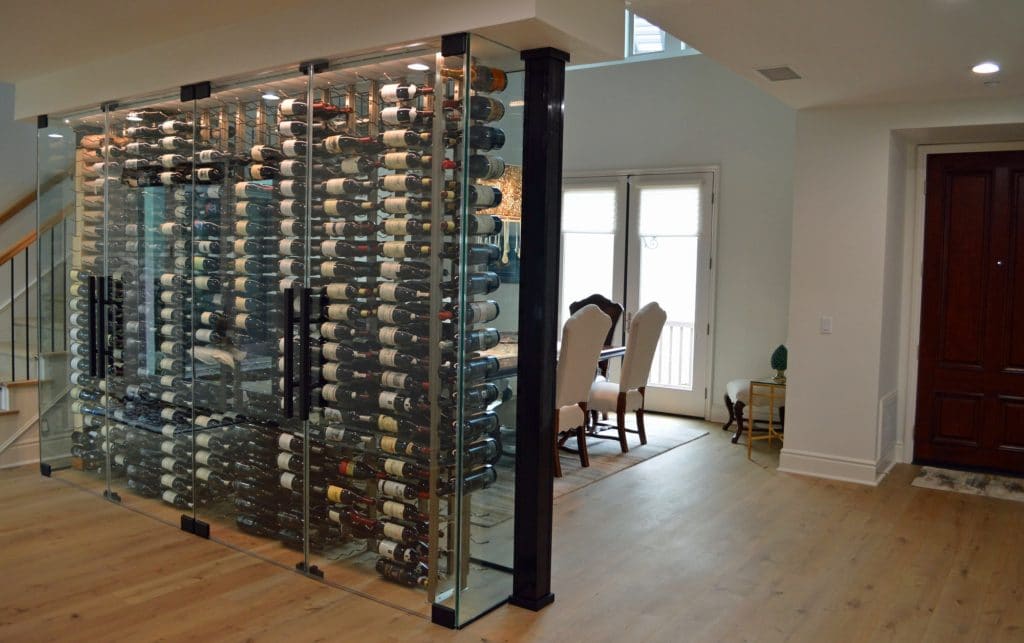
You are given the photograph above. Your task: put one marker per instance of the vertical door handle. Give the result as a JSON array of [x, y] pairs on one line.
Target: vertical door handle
[[91, 318], [101, 326], [305, 402], [288, 296]]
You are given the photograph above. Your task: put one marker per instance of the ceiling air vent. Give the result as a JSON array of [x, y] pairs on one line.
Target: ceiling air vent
[[775, 74]]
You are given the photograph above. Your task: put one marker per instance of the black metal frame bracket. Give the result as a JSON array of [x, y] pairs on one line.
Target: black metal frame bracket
[[42, 121], [319, 65], [195, 526], [454, 44], [108, 106], [195, 91], [111, 495], [312, 571], [45, 469]]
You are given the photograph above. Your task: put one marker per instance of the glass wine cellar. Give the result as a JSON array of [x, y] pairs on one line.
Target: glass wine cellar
[[285, 316]]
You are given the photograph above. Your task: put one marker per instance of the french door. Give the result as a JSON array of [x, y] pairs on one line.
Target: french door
[[643, 238]]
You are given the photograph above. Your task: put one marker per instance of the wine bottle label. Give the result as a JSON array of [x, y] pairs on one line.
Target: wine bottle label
[[290, 188], [168, 380], [398, 226], [387, 548], [167, 178], [212, 191], [208, 156], [288, 228], [391, 488], [287, 480], [168, 127], [119, 460], [399, 115], [241, 319], [486, 224], [168, 464], [347, 468], [330, 392], [394, 379], [283, 461], [386, 291], [167, 414], [389, 444], [387, 400], [167, 480], [203, 474], [394, 138], [170, 496], [291, 148], [168, 228], [393, 531], [386, 313], [351, 165], [203, 283], [284, 247], [331, 351], [206, 174], [290, 266], [256, 171], [334, 494], [203, 457], [205, 335], [167, 447], [390, 335], [389, 357], [398, 160], [292, 107], [287, 283], [293, 168], [484, 311], [393, 509], [203, 440], [284, 442], [256, 152]]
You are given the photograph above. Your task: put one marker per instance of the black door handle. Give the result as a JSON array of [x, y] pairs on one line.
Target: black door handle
[[305, 402], [288, 297]]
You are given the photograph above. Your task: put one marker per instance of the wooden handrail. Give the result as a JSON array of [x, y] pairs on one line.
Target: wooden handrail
[[31, 237], [29, 198]]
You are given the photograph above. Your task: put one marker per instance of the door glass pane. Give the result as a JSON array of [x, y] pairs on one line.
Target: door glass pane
[[588, 245], [668, 237]]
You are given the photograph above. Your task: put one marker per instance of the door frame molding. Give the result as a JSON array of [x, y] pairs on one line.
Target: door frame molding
[[716, 181], [914, 267]]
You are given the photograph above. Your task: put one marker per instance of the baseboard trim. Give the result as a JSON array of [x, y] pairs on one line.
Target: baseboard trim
[[22, 453], [821, 465]]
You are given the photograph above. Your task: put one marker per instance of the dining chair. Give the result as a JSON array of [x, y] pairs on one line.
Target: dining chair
[[582, 339], [628, 394], [608, 307]]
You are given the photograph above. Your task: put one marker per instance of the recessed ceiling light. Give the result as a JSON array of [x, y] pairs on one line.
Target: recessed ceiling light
[[132, 116], [67, 121], [55, 135], [418, 67], [987, 67], [271, 96]]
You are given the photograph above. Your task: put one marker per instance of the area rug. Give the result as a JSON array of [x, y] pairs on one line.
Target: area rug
[[975, 484], [494, 505]]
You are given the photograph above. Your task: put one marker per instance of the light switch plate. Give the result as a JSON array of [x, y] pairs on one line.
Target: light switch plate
[[826, 325]]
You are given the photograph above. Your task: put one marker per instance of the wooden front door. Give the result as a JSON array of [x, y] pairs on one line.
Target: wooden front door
[[970, 397]]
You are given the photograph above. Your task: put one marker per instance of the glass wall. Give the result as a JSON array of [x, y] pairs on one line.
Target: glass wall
[[292, 317]]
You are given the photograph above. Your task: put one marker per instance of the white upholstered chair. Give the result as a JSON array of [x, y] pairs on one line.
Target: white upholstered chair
[[582, 339], [628, 394]]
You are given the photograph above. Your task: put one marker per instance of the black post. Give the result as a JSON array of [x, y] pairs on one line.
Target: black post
[[538, 324]]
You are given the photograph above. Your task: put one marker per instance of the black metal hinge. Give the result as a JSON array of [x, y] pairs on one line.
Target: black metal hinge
[[108, 106], [195, 526], [195, 91], [319, 66], [42, 121], [313, 569]]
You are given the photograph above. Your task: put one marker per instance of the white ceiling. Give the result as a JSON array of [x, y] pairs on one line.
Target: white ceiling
[[856, 51]]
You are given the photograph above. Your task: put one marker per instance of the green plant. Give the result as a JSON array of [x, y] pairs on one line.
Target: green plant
[[780, 358]]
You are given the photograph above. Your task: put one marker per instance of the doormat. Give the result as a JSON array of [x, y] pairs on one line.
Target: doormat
[[969, 482]]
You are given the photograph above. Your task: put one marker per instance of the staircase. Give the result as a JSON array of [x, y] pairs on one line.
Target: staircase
[[33, 289]]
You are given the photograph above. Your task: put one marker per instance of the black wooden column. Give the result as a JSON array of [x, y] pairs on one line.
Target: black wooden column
[[538, 324]]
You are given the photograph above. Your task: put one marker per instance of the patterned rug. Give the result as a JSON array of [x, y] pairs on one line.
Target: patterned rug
[[973, 483], [494, 505]]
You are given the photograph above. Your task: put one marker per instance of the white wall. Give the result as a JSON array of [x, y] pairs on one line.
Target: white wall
[[849, 260], [17, 167], [690, 111]]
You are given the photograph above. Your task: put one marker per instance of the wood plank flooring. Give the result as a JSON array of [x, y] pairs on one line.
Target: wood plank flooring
[[698, 544]]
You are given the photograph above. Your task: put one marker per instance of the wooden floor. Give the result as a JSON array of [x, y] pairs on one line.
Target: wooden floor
[[698, 544]]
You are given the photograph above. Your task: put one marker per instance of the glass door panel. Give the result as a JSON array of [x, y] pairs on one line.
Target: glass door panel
[[70, 415], [593, 248], [249, 196], [670, 235], [145, 325]]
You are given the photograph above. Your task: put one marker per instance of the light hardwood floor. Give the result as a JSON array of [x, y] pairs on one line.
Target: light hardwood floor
[[698, 544]]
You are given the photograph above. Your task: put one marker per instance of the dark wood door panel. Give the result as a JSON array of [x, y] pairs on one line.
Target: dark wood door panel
[[970, 398], [962, 269]]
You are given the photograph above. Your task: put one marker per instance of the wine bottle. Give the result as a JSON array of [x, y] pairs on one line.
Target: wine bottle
[[404, 115], [486, 138], [266, 154], [345, 186], [481, 78], [404, 183], [396, 92]]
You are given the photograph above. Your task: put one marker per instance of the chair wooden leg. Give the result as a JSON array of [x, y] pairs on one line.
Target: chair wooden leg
[[593, 418], [558, 460], [738, 412], [581, 441], [620, 421], [728, 407], [640, 418]]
